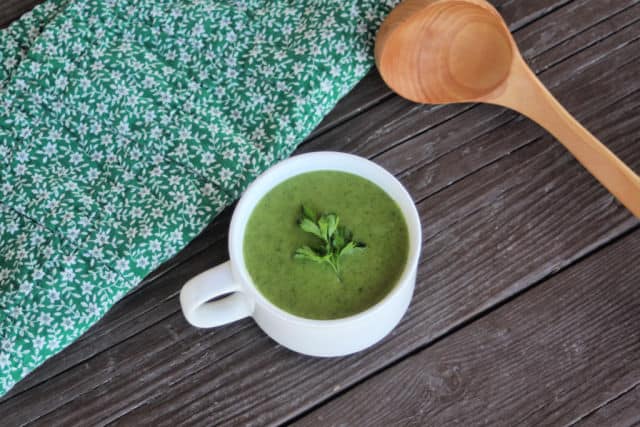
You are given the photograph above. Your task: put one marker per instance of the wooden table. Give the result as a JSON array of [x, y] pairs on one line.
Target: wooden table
[[527, 307]]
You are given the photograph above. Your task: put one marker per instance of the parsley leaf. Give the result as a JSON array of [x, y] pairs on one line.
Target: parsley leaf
[[337, 239]]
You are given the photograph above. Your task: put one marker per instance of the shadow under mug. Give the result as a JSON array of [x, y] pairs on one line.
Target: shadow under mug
[[238, 297]]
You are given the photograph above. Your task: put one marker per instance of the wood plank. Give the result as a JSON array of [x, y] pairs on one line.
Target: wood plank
[[176, 285], [545, 358], [559, 64], [125, 312], [395, 120], [372, 89], [473, 229], [621, 411], [13, 9], [399, 129], [436, 306], [460, 130], [598, 85], [132, 316]]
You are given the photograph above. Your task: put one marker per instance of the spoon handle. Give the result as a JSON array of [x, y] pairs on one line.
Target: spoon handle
[[526, 94]]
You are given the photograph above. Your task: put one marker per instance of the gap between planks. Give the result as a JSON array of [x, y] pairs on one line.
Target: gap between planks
[[518, 25], [587, 248], [337, 407], [475, 318], [629, 391]]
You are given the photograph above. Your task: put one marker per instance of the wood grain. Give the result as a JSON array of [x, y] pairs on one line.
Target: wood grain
[[405, 129], [545, 358], [472, 59], [395, 120], [144, 365], [463, 275], [11, 10], [620, 411], [132, 316], [372, 90], [473, 232], [598, 81]]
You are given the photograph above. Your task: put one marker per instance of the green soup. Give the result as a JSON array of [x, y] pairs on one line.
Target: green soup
[[311, 290]]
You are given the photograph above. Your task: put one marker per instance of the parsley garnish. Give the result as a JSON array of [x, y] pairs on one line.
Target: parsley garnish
[[337, 239]]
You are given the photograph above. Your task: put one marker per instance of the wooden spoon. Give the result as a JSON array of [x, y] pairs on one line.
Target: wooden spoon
[[444, 51]]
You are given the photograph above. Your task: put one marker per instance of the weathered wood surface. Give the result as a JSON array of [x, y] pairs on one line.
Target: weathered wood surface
[[619, 411], [503, 207], [545, 358], [11, 10]]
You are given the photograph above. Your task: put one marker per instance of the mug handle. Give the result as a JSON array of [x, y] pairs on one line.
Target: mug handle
[[198, 291]]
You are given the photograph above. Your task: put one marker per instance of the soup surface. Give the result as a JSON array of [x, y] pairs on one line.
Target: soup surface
[[314, 290]]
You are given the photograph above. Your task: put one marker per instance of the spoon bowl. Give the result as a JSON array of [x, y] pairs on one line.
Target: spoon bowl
[[467, 53], [448, 51]]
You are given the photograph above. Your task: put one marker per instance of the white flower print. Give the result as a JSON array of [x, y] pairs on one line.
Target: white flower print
[[45, 319], [208, 189], [122, 265], [15, 312], [86, 288], [155, 246], [37, 274], [22, 156], [6, 188], [54, 295], [4, 360], [67, 323], [68, 274], [93, 310], [75, 158], [61, 82], [149, 116], [26, 287], [142, 262], [225, 174], [181, 150], [208, 158], [54, 343], [12, 227], [39, 342], [50, 149], [7, 344], [228, 154], [145, 231]]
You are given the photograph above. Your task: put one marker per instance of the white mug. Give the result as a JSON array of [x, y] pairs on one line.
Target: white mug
[[238, 297]]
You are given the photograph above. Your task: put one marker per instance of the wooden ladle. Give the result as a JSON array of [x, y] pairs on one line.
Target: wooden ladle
[[444, 51]]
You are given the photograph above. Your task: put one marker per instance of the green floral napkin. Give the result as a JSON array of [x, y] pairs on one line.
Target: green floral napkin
[[126, 126]]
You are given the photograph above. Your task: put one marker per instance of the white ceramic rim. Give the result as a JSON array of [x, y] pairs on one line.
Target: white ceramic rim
[[300, 164]]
